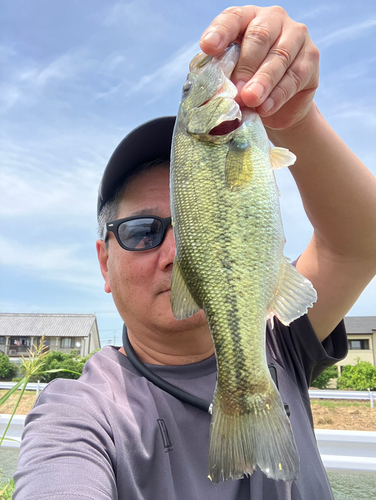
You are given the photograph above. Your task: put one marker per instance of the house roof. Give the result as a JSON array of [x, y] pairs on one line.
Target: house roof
[[50, 325], [360, 324]]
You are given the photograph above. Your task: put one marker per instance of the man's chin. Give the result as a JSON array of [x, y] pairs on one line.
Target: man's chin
[[197, 320]]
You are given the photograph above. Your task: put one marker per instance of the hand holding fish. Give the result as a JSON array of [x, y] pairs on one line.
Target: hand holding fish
[[278, 69]]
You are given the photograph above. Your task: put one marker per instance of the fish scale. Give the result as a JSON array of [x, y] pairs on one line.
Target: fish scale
[[229, 262]]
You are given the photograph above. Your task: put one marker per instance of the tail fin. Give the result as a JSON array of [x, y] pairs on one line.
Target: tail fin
[[261, 437]]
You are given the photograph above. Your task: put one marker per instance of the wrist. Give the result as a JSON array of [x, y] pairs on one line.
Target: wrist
[[300, 129]]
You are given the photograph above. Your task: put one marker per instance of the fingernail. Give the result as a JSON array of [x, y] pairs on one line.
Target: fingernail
[[268, 104], [212, 38], [256, 88]]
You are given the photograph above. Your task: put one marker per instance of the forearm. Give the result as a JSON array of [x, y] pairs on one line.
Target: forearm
[[337, 190]]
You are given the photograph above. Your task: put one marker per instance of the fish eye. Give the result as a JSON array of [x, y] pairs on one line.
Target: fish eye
[[187, 86]]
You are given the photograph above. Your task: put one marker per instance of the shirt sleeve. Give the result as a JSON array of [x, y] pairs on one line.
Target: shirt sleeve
[[302, 354], [67, 450]]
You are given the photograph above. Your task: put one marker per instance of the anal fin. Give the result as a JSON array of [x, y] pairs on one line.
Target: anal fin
[[183, 304], [294, 294]]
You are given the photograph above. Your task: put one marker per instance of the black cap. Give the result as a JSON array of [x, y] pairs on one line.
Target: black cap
[[148, 142]]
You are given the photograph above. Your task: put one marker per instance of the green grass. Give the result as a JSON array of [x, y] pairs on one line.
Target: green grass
[[330, 403], [6, 488]]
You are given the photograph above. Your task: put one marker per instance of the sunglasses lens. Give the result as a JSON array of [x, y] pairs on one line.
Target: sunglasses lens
[[141, 234]]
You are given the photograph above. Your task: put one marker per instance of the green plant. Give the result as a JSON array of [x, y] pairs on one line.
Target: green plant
[[33, 366], [7, 369], [359, 377], [321, 382], [6, 488]]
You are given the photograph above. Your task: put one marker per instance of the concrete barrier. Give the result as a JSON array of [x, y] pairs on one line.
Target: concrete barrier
[[13, 435], [347, 450]]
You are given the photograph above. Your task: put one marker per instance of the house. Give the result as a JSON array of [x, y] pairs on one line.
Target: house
[[361, 335], [21, 332]]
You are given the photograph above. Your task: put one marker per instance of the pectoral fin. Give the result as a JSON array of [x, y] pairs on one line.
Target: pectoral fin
[[293, 296], [239, 166], [183, 304], [281, 157]]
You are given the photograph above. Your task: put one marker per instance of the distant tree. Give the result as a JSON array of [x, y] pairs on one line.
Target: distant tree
[[358, 377], [7, 369], [321, 382]]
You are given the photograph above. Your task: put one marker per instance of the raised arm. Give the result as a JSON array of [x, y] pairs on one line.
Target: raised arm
[[278, 75], [339, 197]]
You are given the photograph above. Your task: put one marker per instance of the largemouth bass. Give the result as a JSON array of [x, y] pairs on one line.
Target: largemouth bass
[[230, 263]]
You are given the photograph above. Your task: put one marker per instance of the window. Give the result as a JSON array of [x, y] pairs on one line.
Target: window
[[67, 343], [20, 341], [2, 340], [362, 344]]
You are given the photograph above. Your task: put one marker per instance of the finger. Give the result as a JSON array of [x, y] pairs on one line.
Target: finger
[[277, 62], [226, 28], [261, 34], [302, 75]]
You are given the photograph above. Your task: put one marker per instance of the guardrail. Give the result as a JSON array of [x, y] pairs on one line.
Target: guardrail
[[340, 450], [334, 394], [313, 393], [31, 386]]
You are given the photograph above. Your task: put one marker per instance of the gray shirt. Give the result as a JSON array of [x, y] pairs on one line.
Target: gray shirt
[[114, 435]]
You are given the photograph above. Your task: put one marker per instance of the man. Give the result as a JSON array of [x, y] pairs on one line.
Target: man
[[113, 434]]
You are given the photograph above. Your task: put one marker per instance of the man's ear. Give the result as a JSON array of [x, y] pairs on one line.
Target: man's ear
[[103, 263]]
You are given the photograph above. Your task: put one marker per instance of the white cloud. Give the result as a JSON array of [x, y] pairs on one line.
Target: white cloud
[[169, 74], [29, 79], [156, 83], [137, 19], [50, 262], [48, 195], [345, 34], [49, 180], [113, 61], [66, 67], [361, 70], [365, 116], [55, 173], [6, 53], [311, 14], [9, 95]]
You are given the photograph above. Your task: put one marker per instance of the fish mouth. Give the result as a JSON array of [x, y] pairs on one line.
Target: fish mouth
[[226, 127]]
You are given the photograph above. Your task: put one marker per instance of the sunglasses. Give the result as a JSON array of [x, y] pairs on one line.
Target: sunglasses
[[142, 232]]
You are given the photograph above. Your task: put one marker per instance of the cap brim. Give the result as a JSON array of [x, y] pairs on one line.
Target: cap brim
[[148, 142]]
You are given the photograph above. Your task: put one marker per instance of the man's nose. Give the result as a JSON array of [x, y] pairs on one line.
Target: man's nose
[[168, 249]]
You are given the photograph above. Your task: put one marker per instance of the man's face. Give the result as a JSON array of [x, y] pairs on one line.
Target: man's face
[[140, 281]]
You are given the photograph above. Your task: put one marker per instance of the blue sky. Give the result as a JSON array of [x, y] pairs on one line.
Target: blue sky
[[78, 75]]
